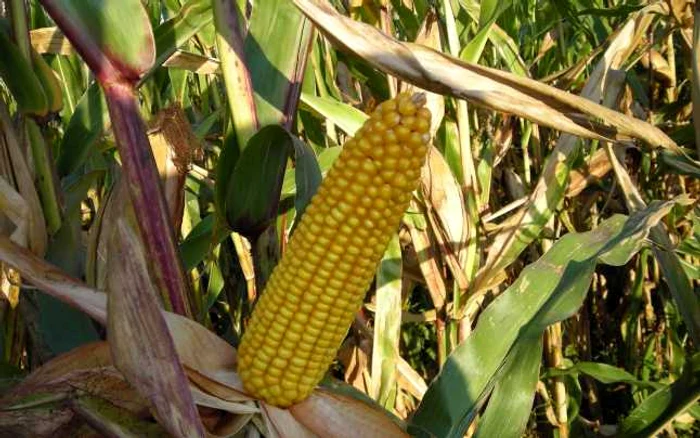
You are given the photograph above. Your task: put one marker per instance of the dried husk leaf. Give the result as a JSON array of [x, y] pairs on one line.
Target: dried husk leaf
[[36, 423], [142, 348], [50, 40], [333, 415], [282, 424], [204, 399], [16, 210], [428, 263]]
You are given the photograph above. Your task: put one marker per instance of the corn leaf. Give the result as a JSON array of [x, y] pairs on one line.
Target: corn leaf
[[603, 373], [230, 30], [277, 69], [262, 164], [98, 30], [19, 76], [660, 408], [547, 291], [89, 120], [513, 392], [345, 116], [175, 32], [49, 82]]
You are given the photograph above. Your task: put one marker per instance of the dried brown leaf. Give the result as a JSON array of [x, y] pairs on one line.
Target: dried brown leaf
[[429, 265], [16, 210], [35, 423], [446, 212], [596, 168], [491, 88], [49, 278]]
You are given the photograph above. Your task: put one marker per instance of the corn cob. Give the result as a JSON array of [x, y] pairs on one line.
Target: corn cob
[[313, 293]]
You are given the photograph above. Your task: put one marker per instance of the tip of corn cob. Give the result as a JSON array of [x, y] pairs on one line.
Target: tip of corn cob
[[316, 289]]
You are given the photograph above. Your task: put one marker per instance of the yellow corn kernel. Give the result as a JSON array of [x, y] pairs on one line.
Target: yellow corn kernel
[[334, 253]]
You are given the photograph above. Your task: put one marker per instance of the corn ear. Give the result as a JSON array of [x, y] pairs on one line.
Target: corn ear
[[320, 283]]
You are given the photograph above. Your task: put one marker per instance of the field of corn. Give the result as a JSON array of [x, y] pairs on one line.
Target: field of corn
[[349, 218]]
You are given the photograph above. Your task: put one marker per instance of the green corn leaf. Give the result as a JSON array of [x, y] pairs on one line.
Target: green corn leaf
[[49, 83], [261, 166], [88, 122], [118, 30], [660, 408], [276, 69], [19, 76], [547, 291], [175, 32], [346, 117], [513, 393]]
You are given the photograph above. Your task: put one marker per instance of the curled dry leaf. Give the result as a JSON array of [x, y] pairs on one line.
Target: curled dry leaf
[[54, 281], [15, 169], [281, 423], [15, 209], [410, 380], [429, 264], [334, 415], [114, 204], [659, 67], [488, 87], [203, 65], [204, 399]]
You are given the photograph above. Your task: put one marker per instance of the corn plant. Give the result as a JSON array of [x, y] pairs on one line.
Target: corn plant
[[382, 218]]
